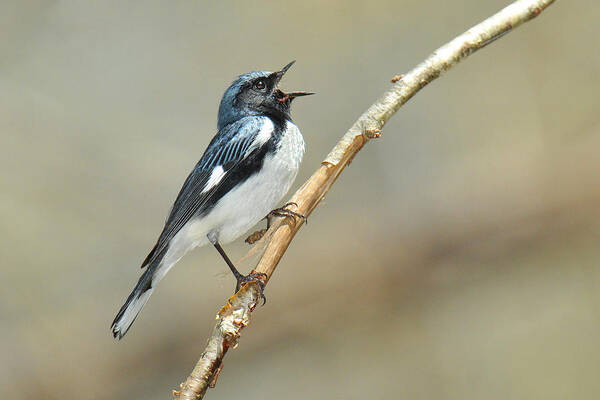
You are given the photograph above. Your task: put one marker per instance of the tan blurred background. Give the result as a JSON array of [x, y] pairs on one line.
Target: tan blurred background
[[457, 257]]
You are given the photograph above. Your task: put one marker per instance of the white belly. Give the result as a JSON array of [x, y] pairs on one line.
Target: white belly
[[250, 202], [244, 205]]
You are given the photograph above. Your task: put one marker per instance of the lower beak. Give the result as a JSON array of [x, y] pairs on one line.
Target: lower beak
[[283, 97], [298, 94]]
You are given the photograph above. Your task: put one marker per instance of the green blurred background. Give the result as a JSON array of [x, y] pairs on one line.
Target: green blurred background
[[456, 258]]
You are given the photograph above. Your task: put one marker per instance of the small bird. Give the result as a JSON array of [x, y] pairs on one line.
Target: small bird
[[243, 174]]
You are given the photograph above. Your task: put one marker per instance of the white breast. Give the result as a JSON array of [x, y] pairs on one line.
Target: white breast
[[290, 149], [247, 204]]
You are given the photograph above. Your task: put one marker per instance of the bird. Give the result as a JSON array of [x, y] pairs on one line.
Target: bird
[[247, 168]]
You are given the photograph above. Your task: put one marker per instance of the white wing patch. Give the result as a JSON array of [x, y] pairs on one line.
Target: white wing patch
[[266, 130], [215, 177]]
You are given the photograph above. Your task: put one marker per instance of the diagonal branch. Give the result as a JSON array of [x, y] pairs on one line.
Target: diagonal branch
[[235, 315]]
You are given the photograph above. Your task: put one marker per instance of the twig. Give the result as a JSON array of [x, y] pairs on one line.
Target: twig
[[235, 315]]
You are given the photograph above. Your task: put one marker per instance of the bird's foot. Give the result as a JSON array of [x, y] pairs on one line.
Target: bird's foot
[[258, 277], [278, 212], [285, 212]]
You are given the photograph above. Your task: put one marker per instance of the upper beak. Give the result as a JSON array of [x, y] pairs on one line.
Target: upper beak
[[286, 96], [280, 74]]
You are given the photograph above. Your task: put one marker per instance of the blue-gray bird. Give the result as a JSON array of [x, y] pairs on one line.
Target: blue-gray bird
[[244, 173]]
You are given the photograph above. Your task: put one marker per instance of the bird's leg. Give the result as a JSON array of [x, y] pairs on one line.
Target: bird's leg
[[241, 279], [236, 273], [278, 212]]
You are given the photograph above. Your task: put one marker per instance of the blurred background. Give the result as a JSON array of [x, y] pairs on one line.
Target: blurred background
[[456, 258]]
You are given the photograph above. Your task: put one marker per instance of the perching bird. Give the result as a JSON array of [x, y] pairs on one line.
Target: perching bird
[[246, 170]]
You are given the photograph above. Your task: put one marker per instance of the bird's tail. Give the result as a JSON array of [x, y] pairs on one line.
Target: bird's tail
[[134, 304]]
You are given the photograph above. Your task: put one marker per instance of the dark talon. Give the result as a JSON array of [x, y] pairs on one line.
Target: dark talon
[[284, 212], [253, 277]]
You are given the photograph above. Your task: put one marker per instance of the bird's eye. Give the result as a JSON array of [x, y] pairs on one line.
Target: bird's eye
[[260, 84]]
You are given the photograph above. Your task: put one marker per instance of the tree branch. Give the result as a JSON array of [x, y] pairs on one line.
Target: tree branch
[[235, 315]]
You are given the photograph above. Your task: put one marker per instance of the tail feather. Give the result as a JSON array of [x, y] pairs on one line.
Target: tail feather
[[134, 304]]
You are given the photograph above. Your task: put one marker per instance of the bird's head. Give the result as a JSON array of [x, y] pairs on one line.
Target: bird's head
[[256, 93]]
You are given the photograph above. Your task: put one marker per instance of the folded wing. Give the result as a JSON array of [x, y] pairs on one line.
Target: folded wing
[[200, 191]]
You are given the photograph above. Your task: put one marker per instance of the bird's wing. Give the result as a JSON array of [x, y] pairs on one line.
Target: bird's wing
[[200, 191]]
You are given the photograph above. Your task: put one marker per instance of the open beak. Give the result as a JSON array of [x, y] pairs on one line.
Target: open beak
[[282, 96]]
